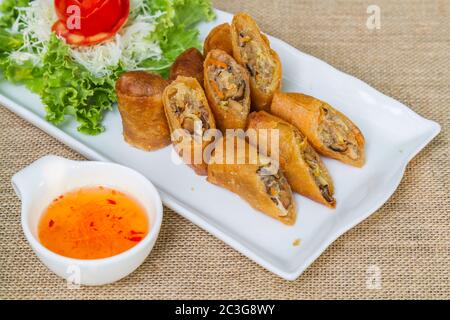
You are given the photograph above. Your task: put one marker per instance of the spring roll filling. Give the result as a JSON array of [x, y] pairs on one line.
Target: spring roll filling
[[258, 61], [337, 135], [227, 83], [277, 188], [188, 108], [315, 167]]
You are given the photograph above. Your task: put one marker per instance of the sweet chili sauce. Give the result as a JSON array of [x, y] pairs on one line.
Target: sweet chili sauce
[[92, 223]]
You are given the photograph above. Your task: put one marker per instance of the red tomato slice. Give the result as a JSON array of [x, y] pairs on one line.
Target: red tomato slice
[[103, 18], [86, 6], [89, 5], [60, 8], [80, 40], [96, 15], [101, 23]]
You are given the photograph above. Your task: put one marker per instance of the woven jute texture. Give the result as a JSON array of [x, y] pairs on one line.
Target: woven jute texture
[[407, 241]]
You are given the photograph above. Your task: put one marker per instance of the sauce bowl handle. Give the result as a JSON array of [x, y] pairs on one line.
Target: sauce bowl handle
[[26, 180]]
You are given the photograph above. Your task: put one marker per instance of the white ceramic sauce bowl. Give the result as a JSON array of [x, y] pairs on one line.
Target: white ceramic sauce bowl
[[45, 179]]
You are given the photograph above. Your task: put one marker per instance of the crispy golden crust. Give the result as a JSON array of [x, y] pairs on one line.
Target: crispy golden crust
[[244, 180], [219, 38], [188, 64], [192, 84], [234, 114], [292, 162], [144, 123], [242, 22], [305, 113]]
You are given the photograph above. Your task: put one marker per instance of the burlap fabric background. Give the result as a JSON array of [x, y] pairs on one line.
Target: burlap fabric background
[[408, 239]]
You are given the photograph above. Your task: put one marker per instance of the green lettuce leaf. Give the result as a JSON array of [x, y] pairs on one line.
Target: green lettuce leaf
[[191, 12], [9, 41], [25, 73], [8, 8], [174, 42], [175, 30], [69, 89]]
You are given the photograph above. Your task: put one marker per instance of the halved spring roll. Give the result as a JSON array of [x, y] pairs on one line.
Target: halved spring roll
[[140, 103], [254, 178], [252, 50], [330, 132], [300, 163], [228, 90], [219, 38], [187, 109]]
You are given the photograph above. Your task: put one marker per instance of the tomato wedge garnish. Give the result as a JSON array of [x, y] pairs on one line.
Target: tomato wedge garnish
[[98, 20]]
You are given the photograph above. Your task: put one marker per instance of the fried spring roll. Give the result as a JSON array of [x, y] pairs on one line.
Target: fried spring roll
[[188, 64], [219, 38], [252, 50], [330, 132], [263, 186], [144, 123], [300, 163], [228, 90], [186, 108]]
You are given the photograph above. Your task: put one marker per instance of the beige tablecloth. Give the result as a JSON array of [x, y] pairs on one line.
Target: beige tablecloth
[[407, 241]]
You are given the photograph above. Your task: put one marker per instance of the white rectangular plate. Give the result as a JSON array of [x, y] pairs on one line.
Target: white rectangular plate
[[394, 134]]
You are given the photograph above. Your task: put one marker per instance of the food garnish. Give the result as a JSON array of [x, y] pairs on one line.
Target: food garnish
[[73, 73], [97, 21]]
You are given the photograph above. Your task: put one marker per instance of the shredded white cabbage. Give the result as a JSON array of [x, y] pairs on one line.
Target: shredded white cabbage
[[130, 46], [34, 23]]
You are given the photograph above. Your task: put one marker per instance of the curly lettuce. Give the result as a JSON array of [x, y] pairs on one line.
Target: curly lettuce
[[9, 8], [67, 88], [70, 89], [175, 30]]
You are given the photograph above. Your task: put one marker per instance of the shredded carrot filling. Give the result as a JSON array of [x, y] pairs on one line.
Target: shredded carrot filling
[[218, 63], [217, 90]]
